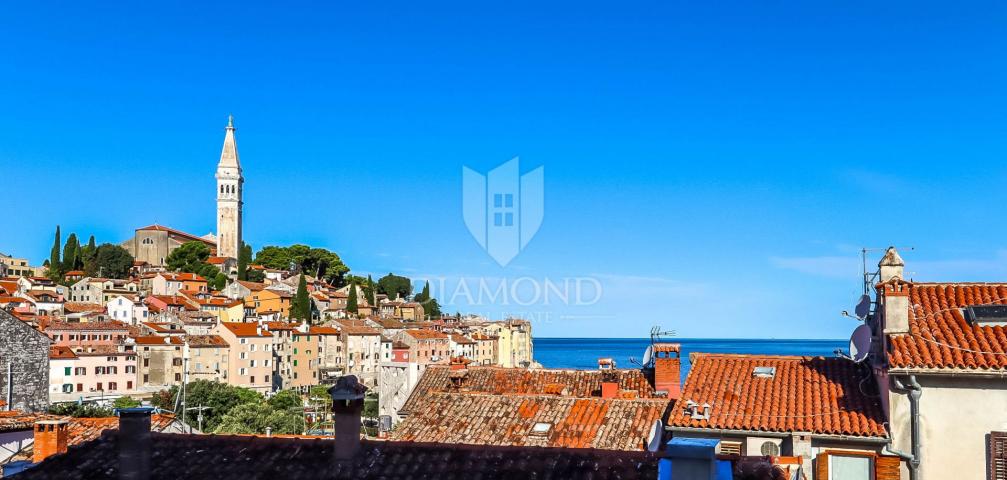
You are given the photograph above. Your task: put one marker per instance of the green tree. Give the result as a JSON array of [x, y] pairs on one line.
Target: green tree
[[351, 302], [287, 400], [244, 258], [88, 251], [190, 257], [80, 410], [370, 406], [220, 397], [368, 287], [255, 276], [318, 262], [252, 418], [70, 253], [300, 307], [54, 263], [125, 402], [219, 281], [109, 261], [395, 286]]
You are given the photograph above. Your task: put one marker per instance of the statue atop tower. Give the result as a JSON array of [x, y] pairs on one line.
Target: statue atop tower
[[229, 190]]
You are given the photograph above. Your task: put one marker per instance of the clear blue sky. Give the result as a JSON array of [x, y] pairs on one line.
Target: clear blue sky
[[716, 167]]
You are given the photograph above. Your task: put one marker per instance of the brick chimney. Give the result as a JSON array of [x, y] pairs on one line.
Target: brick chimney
[[609, 389], [891, 265], [134, 443], [347, 403], [895, 305], [50, 439], [668, 369]]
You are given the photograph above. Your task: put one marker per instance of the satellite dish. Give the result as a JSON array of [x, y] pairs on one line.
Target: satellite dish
[[860, 343], [654, 439], [648, 355], [863, 307]]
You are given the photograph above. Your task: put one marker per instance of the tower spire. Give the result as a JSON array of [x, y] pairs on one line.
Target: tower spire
[[229, 154]]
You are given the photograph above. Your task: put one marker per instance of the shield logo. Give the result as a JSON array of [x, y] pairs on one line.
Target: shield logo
[[503, 209]]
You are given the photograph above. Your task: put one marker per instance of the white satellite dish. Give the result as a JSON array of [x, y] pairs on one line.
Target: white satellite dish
[[654, 439], [863, 307], [648, 355], [860, 343]]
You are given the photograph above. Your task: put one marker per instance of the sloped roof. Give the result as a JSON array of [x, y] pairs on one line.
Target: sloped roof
[[82, 430], [939, 335], [57, 352], [245, 329], [806, 394], [206, 341], [517, 381], [187, 236], [510, 420], [245, 457]]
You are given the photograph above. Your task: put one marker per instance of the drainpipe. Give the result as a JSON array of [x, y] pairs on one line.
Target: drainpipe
[[913, 461]]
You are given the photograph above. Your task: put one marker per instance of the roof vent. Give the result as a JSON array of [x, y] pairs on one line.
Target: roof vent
[[764, 372]]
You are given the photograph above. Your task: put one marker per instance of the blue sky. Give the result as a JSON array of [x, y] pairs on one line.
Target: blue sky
[[715, 168]]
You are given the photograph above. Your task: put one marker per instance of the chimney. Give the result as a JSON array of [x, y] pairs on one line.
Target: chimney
[[347, 403], [606, 364], [891, 265], [609, 389], [50, 439], [895, 303], [134, 443], [668, 369]]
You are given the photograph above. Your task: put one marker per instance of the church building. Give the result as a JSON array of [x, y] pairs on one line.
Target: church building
[[152, 244]]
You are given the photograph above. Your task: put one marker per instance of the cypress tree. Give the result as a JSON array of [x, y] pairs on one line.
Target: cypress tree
[[300, 308], [351, 302], [70, 252], [54, 263], [244, 258]]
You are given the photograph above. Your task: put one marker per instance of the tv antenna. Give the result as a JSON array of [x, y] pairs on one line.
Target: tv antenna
[[656, 336], [871, 277]]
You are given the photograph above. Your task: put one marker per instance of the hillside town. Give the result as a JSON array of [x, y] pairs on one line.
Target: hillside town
[[175, 355]]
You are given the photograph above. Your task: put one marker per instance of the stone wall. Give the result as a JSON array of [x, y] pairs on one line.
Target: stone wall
[[26, 350]]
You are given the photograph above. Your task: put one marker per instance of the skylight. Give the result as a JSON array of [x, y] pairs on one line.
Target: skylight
[[986, 314], [764, 372]]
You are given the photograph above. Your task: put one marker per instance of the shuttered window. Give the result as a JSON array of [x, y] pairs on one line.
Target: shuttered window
[[856, 465], [998, 455]]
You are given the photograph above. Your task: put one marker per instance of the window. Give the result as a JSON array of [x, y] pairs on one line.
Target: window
[[130, 369], [178, 377], [998, 455], [98, 388], [66, 371], [80, 387], [112, 386], [856, 465], [146, 378], [129, 385]]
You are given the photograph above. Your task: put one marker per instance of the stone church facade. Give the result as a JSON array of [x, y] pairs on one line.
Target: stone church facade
[[24, 365]]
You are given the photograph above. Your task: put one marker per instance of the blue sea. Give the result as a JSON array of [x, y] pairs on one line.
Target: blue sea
[[583, 353]]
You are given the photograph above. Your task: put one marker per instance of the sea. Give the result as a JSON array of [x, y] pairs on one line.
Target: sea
[[583, 353]]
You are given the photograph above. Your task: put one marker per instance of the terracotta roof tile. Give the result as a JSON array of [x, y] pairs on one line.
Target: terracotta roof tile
[[806, 394], [516, 381], [245, 329], [245, 457], [57, 352], [206, 341], [939, 335], [509, 420]]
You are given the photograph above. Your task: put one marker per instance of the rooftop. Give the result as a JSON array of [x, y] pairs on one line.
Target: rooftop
[[804, 394], [177, 456], [939, 335]]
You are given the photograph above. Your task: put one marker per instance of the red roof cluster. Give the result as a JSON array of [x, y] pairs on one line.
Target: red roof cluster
[[804, 394], [544, 421], [940, 336]]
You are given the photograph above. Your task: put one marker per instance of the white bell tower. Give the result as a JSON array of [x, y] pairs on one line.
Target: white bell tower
[[229, 186]]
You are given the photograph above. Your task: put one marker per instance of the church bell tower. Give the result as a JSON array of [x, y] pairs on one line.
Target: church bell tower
[[229, 187]]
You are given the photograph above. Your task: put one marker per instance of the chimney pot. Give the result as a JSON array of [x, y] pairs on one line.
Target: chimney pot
[[347, 404], [134, 443], [50, 439]]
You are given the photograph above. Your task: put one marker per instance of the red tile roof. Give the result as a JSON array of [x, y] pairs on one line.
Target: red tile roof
[[509, 420], [426, 335], [939, 335], [155, 340], [245, 329], [242, 457], [206, 341], [517, 381], [187, 236], [60, 352], [806, 394], [109, 325], [323, 331]]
